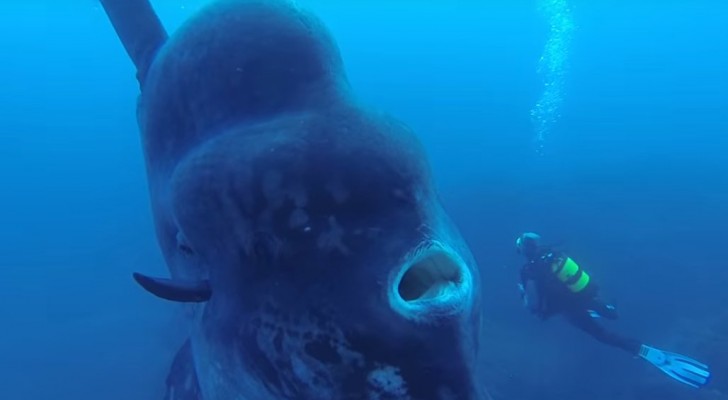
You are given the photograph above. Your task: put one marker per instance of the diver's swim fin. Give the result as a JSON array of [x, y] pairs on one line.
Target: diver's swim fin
[[175, 290], [681, 368]]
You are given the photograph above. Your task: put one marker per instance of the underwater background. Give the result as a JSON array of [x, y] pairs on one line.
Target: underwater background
[[601, 124]]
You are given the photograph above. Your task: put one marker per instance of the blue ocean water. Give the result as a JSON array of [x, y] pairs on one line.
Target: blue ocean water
[[629, 172]]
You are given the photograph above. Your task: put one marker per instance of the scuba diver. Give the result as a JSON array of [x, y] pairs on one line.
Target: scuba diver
[[552, 283]]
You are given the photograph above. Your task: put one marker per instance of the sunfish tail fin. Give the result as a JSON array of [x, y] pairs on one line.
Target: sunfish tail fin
[[139, 29]]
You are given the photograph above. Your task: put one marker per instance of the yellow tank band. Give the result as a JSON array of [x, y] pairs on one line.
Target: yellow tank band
[[572, 275], [579, 285], [569, 269]]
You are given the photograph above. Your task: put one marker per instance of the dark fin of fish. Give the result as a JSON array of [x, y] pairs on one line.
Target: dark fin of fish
[[175, 290], [182, 381], [139, 29]]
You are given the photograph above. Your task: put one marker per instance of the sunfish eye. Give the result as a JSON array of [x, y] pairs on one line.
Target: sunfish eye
[[183, 247]]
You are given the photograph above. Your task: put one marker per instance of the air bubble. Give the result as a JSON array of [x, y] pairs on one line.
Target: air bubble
[[553, 65]]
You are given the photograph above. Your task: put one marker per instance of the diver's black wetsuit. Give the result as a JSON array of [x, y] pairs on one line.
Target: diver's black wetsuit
[[553, 297]]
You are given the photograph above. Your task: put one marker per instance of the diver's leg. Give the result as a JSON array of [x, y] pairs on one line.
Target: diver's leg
[[677, 366], [604, 310], [584, 321]]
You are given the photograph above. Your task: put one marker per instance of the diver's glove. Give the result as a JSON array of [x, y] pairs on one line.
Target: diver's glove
[[681, 368], [595, 314]]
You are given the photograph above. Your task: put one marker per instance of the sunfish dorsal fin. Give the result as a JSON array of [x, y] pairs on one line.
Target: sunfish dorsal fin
[[139, 29]]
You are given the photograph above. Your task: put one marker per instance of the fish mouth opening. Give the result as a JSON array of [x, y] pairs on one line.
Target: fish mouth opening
[[434, 283], [435, 275]]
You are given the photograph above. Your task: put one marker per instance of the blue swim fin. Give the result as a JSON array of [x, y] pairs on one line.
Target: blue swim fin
[[681, 368]]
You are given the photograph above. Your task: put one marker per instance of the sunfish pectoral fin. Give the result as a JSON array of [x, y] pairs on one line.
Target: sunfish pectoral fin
[[139, 30], [677, 366], [175, 290]]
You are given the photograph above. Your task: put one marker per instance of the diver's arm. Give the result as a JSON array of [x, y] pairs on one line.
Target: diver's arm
[[529, 291], [531, 299], [522, 284]]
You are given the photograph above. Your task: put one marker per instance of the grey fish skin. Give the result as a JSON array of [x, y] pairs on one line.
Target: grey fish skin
[[308, 222]]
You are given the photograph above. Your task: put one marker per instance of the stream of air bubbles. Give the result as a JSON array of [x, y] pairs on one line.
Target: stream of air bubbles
[[553, 66]]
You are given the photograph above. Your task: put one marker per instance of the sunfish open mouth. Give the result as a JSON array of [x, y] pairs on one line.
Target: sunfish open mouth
[[435, 279], [433, 276]]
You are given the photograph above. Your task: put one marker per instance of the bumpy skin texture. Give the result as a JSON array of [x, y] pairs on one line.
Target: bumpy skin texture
[[301, 208]]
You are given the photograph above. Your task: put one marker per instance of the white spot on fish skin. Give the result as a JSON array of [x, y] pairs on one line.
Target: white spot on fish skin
[[444, 393], [332, 239], [337, 191], [302, 372], [272, 187], [299, 196], [400, 194], [309, 377], [298, 218], [386, 381], [373, 233]]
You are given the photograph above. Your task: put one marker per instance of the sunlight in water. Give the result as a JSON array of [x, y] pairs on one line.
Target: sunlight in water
[[553, 66]]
